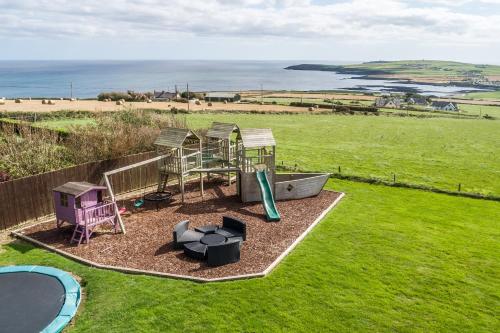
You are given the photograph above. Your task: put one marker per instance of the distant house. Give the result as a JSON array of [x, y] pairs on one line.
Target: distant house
[[165, 95], [444, 106], [388, 102], [417, 100], [221, 96]]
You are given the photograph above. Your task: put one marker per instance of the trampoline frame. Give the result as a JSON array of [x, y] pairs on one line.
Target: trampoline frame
[[72, 293]]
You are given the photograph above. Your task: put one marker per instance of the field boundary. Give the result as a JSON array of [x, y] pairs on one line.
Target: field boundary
[[19, 234], [378, 181]]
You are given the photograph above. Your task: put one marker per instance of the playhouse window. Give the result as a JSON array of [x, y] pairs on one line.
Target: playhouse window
[[78, 202], [64, 200], [99, 196]]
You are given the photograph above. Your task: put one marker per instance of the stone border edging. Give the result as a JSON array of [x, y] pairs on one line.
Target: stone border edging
[[267, 271]]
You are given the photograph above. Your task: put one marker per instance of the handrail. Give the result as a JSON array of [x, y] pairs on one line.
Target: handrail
[[96, 213]]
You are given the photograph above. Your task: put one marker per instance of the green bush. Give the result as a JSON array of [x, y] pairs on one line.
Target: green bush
[[30, 152], [118, 134], [129, 96]]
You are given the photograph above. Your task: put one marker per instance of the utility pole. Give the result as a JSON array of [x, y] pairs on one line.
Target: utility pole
[[187, 89], [71, 89], [261, 94]]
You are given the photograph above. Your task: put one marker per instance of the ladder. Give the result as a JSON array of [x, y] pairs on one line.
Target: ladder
[[163, 181]]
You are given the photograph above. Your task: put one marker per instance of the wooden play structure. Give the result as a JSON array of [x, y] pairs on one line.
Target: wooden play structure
[[257, 164], [82, 205], [221, 148], [245, 155], [182, 154]]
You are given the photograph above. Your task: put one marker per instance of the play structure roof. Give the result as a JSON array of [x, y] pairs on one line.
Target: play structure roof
[[257, 137], [77, 188], [222, 130], [174, 137]]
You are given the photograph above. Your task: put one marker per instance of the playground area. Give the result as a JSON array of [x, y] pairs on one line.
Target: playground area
[[206, 202], [147, 244]]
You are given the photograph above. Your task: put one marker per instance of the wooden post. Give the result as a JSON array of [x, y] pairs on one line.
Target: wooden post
[[459, 187], [120, 221], [273, 171], [181, 185], [201, 184], [228, 152]]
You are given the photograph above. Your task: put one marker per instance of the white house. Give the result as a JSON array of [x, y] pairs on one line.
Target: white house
[[444, 106]]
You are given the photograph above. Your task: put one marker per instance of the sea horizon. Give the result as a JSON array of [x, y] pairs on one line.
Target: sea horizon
[[88, 78]]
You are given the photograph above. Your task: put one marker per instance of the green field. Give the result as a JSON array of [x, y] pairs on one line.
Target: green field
[[438, 152], [414, 68], [63, 123], [428, 67], [319, 101], [384, 260], [473, 109], [485, 95]]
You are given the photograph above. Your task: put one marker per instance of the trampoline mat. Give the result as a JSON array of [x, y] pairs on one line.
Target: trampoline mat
[[29, 302]]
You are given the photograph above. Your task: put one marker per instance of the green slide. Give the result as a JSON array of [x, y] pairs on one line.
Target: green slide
[[267, 197]]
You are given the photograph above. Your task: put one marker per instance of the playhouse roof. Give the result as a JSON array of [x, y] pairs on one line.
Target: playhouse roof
[[221, 130], [257, 137], [77, 188], [174, 137]]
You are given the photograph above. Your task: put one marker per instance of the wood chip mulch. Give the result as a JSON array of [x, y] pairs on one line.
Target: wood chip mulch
[[147, 244]]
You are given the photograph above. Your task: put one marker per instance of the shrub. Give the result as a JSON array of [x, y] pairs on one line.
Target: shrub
[[129, 96], [113, 96], [30, 152], [118, 134], [191, 95]]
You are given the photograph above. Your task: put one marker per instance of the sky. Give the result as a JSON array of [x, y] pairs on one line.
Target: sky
[[356, 30]]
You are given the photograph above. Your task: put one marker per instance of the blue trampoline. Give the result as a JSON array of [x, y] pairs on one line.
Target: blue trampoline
[[36, 299]]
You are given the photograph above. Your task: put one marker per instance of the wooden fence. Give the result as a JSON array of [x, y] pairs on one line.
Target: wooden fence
[[31, 197]]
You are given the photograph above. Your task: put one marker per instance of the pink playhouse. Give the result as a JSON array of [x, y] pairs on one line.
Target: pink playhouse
[[82, 204]]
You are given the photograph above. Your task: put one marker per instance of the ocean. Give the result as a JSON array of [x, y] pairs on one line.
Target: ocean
[[86, 79]]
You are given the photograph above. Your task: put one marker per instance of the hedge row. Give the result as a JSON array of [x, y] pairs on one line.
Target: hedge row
[[337, 108]]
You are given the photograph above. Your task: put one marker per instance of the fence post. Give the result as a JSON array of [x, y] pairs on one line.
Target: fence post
[[339, 169], [393, 177], [459, 187]]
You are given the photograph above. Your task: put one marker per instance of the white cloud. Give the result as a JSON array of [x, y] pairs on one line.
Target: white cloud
[[385, 20]]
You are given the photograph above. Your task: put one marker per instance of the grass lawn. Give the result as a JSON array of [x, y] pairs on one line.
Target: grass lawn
[[484, 95], [493, 111], [438, 152], [386, 259]]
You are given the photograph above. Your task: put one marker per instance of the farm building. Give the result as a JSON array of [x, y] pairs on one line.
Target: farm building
[[388, 102], [221, 96], [444, 106], [417, 100], [165, 95]]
